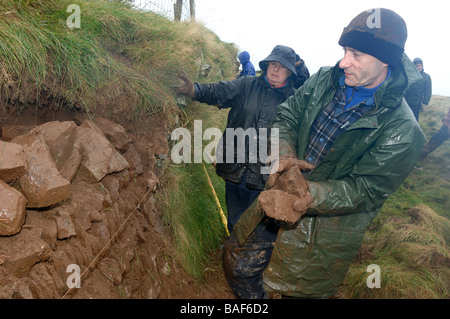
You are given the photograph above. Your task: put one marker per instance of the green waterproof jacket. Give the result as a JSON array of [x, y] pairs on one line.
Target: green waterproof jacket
[[367, 163]]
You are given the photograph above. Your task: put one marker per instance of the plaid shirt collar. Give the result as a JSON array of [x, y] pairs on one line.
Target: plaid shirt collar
[[331, 122]]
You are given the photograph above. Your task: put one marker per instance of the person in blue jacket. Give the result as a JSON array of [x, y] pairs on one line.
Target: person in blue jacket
[[247, 67]]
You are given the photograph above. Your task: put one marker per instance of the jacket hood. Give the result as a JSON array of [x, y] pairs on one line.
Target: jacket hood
[[283, 55], [244, 57], [418, 61], [405, 74]]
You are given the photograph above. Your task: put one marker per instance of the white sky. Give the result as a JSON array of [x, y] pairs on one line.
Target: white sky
[[313, 27]]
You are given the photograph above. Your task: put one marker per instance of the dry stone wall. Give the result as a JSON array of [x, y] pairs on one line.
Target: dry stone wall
[[66, 191]]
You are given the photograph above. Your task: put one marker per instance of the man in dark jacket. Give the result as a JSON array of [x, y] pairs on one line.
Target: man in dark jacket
[[352, 124], [418, 95], [253, 102], [247, 66]]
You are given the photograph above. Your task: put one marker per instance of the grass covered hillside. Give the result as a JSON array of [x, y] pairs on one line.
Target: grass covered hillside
[[409, 239], [120, 61]]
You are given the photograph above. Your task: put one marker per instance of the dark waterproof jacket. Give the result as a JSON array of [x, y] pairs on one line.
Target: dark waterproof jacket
[[419, 93], [367, 163], [253, 104]]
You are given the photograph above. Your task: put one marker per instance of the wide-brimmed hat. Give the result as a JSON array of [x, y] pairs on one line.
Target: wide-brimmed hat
[[283, 55]]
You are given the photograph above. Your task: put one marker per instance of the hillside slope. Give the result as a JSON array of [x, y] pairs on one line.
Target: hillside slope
[[120, 61]]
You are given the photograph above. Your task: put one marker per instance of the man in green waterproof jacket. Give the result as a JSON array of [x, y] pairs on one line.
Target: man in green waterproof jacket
[[353, 125]]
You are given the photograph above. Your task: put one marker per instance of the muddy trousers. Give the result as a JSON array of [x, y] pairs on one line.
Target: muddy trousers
[[244, 266], [238, 198]]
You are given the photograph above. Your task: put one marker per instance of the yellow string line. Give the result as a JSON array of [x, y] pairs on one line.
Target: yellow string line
[[222, 215], [3, 151]]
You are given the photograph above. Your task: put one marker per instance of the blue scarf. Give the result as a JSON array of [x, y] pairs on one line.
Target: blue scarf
[[357, 95]]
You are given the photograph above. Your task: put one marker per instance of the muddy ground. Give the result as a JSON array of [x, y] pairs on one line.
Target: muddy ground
[[122, 251]]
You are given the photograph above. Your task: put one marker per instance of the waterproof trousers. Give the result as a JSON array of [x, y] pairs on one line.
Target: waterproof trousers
[[244, 265], [416, 110], [238, 198]]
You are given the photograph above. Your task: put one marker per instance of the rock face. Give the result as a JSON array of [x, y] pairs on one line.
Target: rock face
[[114, 132], [30, 253], [67, 192], [42, 184], [99, 157], [46, 159], [59, 137], [12, 210], [11, 131], [12, 161]]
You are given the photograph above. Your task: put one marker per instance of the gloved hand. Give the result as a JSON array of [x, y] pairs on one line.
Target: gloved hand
[[289, 197], [186, 86], [285, 163], [283, 206]]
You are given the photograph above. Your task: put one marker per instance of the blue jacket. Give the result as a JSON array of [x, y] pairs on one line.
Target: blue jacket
[[247, 67]]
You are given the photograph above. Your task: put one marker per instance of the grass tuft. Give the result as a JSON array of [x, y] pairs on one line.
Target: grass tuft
[[121, 61], [190, 207]]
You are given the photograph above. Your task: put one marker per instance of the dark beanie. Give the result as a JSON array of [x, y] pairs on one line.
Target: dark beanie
[[379, 32]]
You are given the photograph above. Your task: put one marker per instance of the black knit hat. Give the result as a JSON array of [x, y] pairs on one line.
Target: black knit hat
[[283, 55], [379, 32]]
